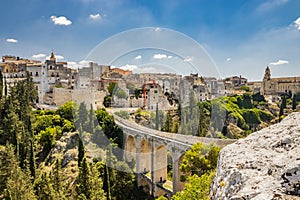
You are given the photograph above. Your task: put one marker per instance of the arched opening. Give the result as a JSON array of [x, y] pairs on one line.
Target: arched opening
[[145, 157], [160, 165], [130, 151], [144, 185], [181, 175]]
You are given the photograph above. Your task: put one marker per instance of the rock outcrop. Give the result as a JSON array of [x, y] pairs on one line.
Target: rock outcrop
[[263, 166]]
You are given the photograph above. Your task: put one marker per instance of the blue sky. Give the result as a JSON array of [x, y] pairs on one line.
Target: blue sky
[[241, 36]]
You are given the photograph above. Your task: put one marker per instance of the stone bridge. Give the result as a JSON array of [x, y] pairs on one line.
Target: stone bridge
[[149, 150]]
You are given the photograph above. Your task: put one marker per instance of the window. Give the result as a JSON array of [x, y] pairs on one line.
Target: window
[[36, 73]]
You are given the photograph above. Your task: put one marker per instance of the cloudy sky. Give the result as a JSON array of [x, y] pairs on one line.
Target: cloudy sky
[[241, 37]]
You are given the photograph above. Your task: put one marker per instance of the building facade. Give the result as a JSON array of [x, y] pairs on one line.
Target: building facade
[[277, 86]]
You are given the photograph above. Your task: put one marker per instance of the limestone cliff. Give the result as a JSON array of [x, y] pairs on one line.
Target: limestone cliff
[[265, 165]]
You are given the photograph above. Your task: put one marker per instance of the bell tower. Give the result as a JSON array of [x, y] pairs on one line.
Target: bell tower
[[267, 74], [52, 57]]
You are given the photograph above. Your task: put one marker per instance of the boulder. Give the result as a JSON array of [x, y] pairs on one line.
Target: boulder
[[263, 166]]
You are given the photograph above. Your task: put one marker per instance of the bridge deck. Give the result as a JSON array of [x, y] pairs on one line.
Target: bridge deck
[[187, 140]]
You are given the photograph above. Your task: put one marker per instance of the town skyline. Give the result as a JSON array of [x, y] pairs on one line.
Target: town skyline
[[242, 38]]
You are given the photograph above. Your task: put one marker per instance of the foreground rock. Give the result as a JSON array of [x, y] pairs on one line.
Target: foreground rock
[[265, 165]]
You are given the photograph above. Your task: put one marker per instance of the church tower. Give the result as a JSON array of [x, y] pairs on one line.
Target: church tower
[[267, 74], [52, 57]]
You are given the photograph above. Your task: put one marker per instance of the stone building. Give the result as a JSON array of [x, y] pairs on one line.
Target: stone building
[[277, 86], [46, 75]]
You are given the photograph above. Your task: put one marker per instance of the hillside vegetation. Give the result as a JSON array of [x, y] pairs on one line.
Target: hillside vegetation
[[59, 154]]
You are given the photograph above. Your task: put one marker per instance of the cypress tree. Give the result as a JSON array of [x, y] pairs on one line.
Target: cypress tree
[[43, 187], [7, 195], [1, 84], [156, 118], [281, 110], [283, 102], [56, 181], [294, 103], [5, 88], [82, 117], [7, 160], [168, 125], [83, 186], [18, 183], [32, 161], [92, 120], [80, 151]]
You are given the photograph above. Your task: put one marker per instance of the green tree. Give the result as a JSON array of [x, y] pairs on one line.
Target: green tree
[[82, 117], [7, 161], [1, 85], [68, 110], [18, 182], [47, 138], [83, 186], [200, 159], [281, 111], [294, 103], [107, 101], [32, 160], [204, 119], [43, 187], [283, 102], [112, 86], [89, 184], [80, 151], [196, 188], [108, 127], [258, 97], [92, 120], [168, 125], [96, 183], [245, 101], [156, 118], [57, 181]]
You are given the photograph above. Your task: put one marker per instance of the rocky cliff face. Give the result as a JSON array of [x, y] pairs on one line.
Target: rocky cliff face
[[265, 165]]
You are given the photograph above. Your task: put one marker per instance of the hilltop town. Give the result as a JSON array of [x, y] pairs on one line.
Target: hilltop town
[[57, 84]]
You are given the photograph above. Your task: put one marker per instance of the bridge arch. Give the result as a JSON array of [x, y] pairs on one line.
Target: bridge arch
[[145, 156], [130, 148], [145, 185], [161, 164]]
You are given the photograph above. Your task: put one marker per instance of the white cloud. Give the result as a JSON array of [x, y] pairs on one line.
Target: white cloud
[[157, 29], [297, 23], [270, 4], [161, 56], [59, 57], [280, 62], [80, 64], [138, 57], [188, 59], [228, 59], [95, 16], [12, 40], [62, 20], [73, 65], [129, 67], [37, 56]]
